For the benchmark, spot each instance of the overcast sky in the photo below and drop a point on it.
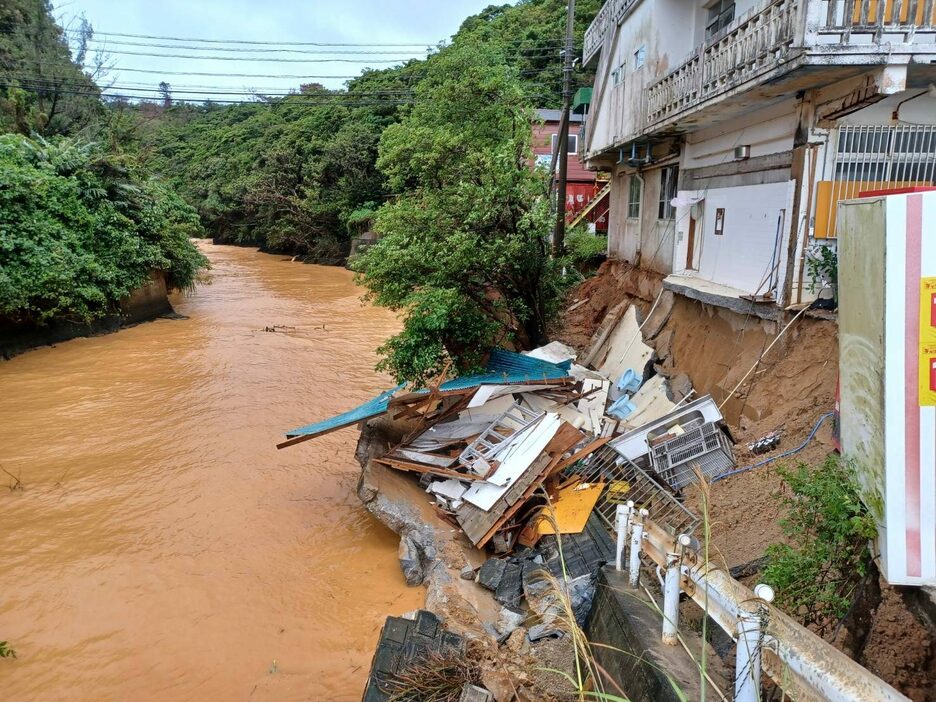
(418, 22)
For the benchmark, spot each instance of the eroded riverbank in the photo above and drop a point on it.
(161, 547)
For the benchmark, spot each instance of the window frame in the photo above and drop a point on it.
(640, 57)
(634, 199)
(555, 137)
(669, 187)
(715, 18)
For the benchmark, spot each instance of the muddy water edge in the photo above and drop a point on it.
(160, 547)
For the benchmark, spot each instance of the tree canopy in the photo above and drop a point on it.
(79, 231)
(463, 250)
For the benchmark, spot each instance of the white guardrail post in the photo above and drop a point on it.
(636, 542)
(803, 665)
(622, 523)
(751, 633)
(671, 590)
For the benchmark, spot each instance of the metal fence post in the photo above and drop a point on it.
(635, 544)
(750, 642)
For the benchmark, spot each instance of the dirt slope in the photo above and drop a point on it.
(790, 390)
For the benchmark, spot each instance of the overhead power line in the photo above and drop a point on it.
(254, 59)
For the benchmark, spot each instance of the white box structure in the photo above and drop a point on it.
(887, 372)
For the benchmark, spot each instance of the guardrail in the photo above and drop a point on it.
(852, 21)
(798, 661)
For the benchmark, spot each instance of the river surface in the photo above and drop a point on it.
(160, 546)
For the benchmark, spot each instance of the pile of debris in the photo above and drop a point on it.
(538, 451)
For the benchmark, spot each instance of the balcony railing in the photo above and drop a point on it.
(608, 17)
(749, 47)
(880, 21)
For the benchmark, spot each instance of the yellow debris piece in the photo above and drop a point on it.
(617, 492)
(571, 509)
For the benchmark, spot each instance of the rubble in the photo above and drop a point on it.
(528, 461)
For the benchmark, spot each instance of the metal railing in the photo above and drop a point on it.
(747, 48)
(880, 21)
(800, 663)
(626, 482)
(864, 158)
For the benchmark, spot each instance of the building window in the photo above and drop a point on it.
(617, 75)
(720, 15)
(634, 194)
(668, 185)
(571, 143)
(640, 57)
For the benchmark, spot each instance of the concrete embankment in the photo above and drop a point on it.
(148, 301)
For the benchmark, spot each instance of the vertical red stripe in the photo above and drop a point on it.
(912, 384)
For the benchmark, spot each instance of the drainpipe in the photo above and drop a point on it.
(635, 544)
(750, 642)
(622, 523)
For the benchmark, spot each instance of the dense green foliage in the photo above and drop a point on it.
(463, 251)
(80, 226)
(79, 231)
(289, 174)
(41, 89)
(828, 529)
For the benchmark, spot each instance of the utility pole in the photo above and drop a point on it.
(563, 138)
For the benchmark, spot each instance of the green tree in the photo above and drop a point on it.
(463, 253)
(42, 90)
(79, 231)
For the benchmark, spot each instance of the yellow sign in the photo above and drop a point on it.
(927, 375)
(928, 310)
(928, 342)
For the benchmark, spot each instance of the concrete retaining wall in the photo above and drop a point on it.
(146, 302)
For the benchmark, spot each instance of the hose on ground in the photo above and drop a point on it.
(785, 454)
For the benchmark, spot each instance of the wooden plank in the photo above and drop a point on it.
(420, 468)
(422, 457)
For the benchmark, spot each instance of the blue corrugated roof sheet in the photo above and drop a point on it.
(503, 368)
(371, 408)
(509, 368)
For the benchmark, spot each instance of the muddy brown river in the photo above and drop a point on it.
(160, 546)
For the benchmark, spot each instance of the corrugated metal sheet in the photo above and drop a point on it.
(372, 408)
(508, 368)
(503, 368)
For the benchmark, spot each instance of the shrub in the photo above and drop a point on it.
(817, 573)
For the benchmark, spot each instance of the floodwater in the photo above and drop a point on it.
(160, 546)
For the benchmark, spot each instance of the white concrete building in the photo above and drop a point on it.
(732, 128)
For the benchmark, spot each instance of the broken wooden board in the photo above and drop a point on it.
(570, 511)
(422, 468)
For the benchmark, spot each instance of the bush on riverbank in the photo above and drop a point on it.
(79, 230)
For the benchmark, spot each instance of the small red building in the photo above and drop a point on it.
(581, 184)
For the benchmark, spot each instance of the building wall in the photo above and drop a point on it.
(618, 111)
(766, 131)
(754, 236)
(542, 146)
(646, 240)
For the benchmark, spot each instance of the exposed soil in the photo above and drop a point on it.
(790, 390)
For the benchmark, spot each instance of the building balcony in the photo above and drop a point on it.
(784, 35)
(774, 50)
